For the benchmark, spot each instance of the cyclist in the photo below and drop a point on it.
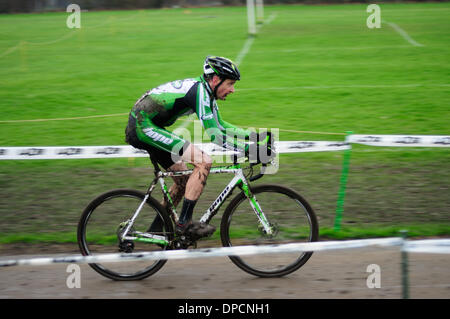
(161, 107)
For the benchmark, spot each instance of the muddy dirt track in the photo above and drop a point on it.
(331, 275)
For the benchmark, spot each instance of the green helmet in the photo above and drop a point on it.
(223, 67)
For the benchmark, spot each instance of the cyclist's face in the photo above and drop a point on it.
(225, 88)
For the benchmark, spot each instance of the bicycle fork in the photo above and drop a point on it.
(268, 230)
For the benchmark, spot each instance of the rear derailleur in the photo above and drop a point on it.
(125, 246)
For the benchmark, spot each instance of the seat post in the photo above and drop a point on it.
(156, 165)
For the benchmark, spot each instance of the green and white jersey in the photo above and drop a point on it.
(163, 105)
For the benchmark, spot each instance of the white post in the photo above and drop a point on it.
(260, 11)
(251, 17)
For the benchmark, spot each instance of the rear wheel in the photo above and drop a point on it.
(105, 219)
(291, 218)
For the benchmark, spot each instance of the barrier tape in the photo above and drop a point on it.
(439, 246)
(401, 140)
(65, 152)
(209, 252)
(118, 151)
(432, 246)
(310, 146)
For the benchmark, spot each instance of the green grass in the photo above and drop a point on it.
(326, 233)
(313, 68)
(61, 238)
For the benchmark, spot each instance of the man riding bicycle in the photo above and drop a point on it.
(161, 107)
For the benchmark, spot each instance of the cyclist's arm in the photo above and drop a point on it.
(230, 129)
(210, 122)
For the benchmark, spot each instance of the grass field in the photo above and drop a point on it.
(312, 69)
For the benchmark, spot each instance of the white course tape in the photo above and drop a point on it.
(285, 147)
(432, 246)
(65, 152)
(208, 252)
(310, 146)
(401, 140)
(118, 151)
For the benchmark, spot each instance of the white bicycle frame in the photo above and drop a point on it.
(239, 180)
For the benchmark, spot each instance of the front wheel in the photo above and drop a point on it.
(291, 219)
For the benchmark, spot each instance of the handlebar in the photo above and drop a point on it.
(253, 178)
(258, 176)
(264, 165)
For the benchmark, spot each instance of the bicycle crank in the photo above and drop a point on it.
(183, 242)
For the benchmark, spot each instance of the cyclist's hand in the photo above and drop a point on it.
(265, 153)
(262, 151)
(265, 138)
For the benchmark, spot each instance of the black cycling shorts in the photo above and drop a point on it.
(162, 157)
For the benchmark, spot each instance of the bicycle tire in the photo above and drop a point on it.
(95, 204)
(273, 191)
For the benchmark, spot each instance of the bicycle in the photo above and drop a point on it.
(279, 215)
